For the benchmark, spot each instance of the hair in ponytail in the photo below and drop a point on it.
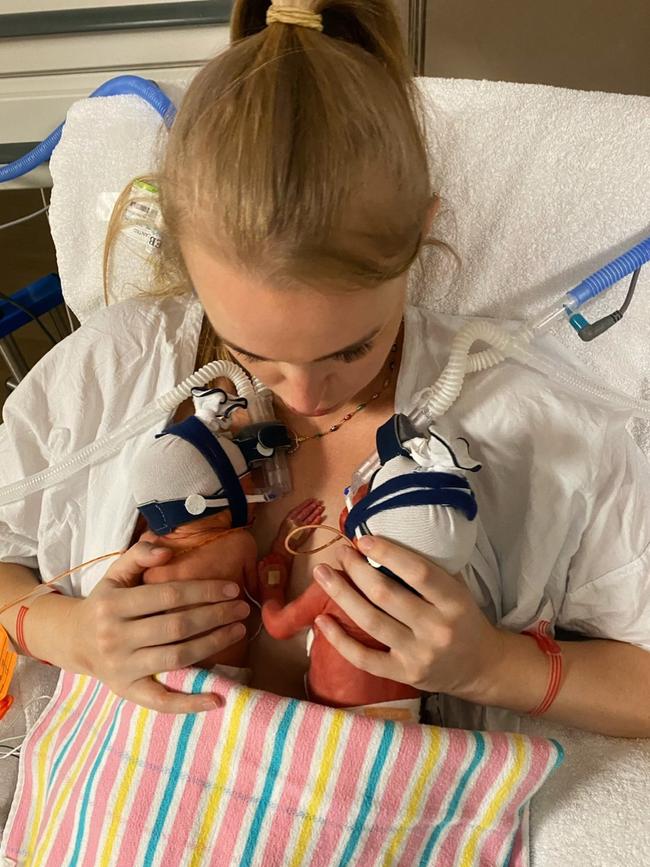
(299, 155)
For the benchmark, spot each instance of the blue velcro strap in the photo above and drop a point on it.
(193, 431)
(163, 518)
(413, 489)
(391, 435)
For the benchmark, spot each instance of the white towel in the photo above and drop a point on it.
(541, 187)
(594, 811)
(106, 143)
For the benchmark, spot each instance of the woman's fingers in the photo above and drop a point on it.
(156, 598)
(127, 570)
(384, 592)
(171, 657)
(431, 582)
(377, 662)
(372, 620)
(153, 695)
(178, 626)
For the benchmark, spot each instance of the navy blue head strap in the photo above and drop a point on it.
(413, 489)
(164, 517)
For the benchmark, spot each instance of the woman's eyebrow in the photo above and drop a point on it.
(351, 348)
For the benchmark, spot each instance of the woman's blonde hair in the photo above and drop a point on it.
(298, 155)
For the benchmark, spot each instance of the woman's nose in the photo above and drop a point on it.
(302, 390)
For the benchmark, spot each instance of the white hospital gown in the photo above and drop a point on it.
(563, 496)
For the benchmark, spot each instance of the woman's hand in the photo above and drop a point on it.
(125, 631)
(439, 641)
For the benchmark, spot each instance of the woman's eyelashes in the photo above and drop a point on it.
(348, 356)
(354, 354)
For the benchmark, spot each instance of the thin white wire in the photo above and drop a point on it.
(67, 309)
(24, 219)
(14, 751)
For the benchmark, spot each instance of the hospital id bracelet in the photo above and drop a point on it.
(20, 621)
(553, 650)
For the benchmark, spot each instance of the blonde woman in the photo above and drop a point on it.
(296, 196)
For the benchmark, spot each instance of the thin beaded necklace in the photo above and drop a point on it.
(299, 439)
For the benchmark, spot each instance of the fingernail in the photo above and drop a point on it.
(241, 609)
(322, 575)
(238, 631)
(158, 549)
(231, 590)
(211, 703)
(322, 624)
(365, 544)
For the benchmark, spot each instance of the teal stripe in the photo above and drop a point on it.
(174, 774)
(369, 794)
(453, 804)
(66, 746)
(81, 822)
(271, 777)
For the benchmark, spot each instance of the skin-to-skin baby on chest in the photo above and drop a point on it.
(321, 468)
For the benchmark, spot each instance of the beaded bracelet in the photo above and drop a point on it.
(20, 621)
(553, 650)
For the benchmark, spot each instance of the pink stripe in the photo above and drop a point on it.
(497, 762)
(253, 765)
(541, 753)
(24, 816)
(391, 793)
(150, 781)
(178, 845)
(344, 801)
(67, 822)
(454, 748)
(114, 762)
(288, 792)
(88, 711)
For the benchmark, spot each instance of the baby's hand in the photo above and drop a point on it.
(310, 511)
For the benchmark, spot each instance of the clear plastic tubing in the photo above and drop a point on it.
(152, 414)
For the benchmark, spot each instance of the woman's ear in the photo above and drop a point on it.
(432, 211)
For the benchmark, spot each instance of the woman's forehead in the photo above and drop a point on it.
(294, 323)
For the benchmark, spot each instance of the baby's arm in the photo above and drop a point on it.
(274, 570)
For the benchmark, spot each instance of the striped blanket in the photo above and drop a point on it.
(263, 781)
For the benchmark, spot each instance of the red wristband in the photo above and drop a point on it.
(553, 650)
(20, 631)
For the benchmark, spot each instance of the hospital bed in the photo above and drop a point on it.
(593, 812)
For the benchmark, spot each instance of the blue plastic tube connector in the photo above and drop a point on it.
(123, 85)
(610, 274)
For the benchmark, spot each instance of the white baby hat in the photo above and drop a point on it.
(169, 468)
(441, 533)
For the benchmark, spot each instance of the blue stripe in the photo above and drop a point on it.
(453, 805)
(369, 794)
(81, 822)
(66, 746)
(174, 774)
(271, 777)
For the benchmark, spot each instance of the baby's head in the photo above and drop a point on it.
(296, 194)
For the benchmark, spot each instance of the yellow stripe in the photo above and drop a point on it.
(232, 736)
(413, 807)
(73, 776)
(72, 704)
(109, 845)
(486, 823)
(327, 764)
